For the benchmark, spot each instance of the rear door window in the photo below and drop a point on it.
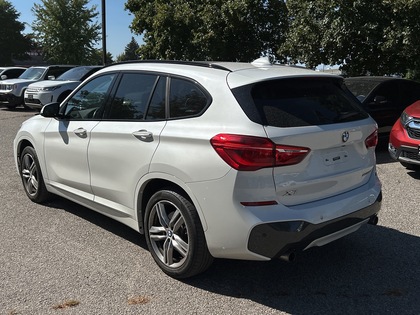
(300, 102)
(132, 96)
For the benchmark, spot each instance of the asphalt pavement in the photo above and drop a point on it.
(61, 258)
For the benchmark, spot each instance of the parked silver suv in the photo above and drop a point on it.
(13, 90)
(209, 160)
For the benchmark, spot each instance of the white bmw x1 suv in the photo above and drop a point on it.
(208, 160)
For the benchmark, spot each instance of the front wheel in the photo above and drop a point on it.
(31, 175)
(11, 104)
(175, 236)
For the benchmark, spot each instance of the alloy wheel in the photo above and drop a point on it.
(30, 174)
(168, 234)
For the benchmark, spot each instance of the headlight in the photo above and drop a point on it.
(10, 86)
(50, 88)
(405, 118)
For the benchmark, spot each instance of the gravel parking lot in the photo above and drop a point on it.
(61, 258)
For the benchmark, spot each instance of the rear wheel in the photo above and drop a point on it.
(175, 236)
(31, 175)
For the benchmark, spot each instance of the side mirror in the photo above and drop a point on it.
(51, 77)
(3, 77)
(50, 110)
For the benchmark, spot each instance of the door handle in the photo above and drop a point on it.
(81, 132)
(143, 135)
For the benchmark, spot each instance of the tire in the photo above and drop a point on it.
(30, 173)
(23, 101)
(15, 102)
(175, 236)
(11, 105)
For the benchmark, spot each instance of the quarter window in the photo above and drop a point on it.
(185, 99)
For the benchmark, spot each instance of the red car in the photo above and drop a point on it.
(404, 140)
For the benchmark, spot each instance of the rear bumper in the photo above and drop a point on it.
(272, 240)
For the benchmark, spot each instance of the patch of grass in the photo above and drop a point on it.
(139, 300)
(66, 304)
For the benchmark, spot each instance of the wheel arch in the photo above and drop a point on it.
(20, 147)
(152, 186)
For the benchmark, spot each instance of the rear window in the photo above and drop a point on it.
(299, 102)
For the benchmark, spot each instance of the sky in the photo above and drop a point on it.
(118, 33)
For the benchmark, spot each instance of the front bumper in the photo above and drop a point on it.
(403, 146)
(272, 240)
(38, 99)
(11, 98)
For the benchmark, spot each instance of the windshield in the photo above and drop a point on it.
(75, 74)
(32, 74)
(361, 88)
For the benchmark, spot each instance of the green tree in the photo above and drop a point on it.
(13, 43)
(236, 30)
(403, 36)
(374, 37)
(97, 59)
(67, 30)
(130, 52)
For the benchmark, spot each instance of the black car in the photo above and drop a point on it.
(384, 98)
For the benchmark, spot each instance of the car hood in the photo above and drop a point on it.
(414, 109)
(17, 81)
(50, 83)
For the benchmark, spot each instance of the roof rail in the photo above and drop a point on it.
(207, 64)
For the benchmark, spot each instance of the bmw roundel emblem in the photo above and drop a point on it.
(345, 136)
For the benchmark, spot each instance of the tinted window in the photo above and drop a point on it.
(156, 109)
(13, 73)
(185, 98)
(410, 92)
(387, 92)
(132, 96)
(299, 102)
(77, 74)
(89, 99)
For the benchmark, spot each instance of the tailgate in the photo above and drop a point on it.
(339, 161)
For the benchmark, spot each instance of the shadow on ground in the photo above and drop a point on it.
(373, 271)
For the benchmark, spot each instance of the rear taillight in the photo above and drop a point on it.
(248, 153)
(372, 140)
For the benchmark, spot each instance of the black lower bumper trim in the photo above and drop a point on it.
(275, 239)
